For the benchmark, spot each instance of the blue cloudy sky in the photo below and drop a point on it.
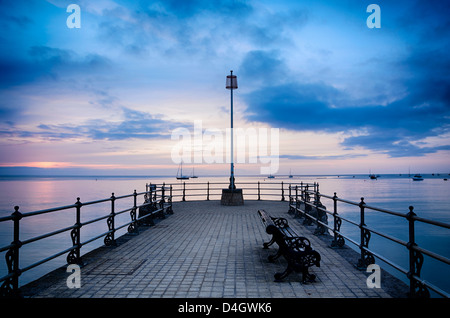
(105, 98)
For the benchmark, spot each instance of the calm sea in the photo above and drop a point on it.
(430, 198)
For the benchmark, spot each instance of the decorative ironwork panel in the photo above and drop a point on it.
(7, 288)
(132, 228)
(338, 240)
(367, 258)
(109, 238)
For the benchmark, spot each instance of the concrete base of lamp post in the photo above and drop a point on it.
(232, 197)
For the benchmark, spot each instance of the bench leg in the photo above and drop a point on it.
(161, 214)
(266, 245)
(290, 267)
(148, 220)
(273, 258)
(280, 276)
(293, 266)
(307, 277)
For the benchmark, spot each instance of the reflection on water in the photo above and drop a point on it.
(429, 198)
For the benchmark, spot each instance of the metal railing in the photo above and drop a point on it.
(304, 198)
(157, 200)
(183, 191)
(306, 202)
(154, 194)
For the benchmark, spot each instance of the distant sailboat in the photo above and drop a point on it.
(180, 173)
(193, 175)
(290, 174)
(270, 176)
(417, 177)
(372, 176)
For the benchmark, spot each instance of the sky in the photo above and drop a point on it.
(107, 97)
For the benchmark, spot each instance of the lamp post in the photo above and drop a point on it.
(231, 84)
(232, 196)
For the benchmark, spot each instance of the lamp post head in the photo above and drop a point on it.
(231, 81)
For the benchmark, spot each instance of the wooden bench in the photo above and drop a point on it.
(295, 249)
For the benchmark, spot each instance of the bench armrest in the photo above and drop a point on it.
(298, 242)
(280, 222)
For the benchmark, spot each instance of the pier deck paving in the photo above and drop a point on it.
(206, 250)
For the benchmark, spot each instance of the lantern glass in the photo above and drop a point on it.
(231, 82)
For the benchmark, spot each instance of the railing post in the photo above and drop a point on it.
(17, 244)
(297, 203)
(109, 238)
(161, 202)
(184, 191)
(207, 192)
(416, 288)
(10, 287)
(338, 240)
(366, 257)
(133, 228)
(74, 256)
(291, 201)
(259, 191)
(316, 196)
(321, 216)
(169, 209)
(301, 186)
(301, 189)
(282, 191)
(308, 207)
(150, 193)
(361, 262)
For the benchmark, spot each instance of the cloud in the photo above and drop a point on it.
(189, 8)
(385, 90)
(50, 63)
(197, 29)
(134, 125)
(332, 157)
(296, 106)
(395, 147)
(262, 66)
(390, 122)
(395, 128)
(407, 101)
(50, 58)
(173, 28)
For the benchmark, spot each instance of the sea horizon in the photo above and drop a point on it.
(403, 175)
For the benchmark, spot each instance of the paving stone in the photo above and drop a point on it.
(208, 250)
